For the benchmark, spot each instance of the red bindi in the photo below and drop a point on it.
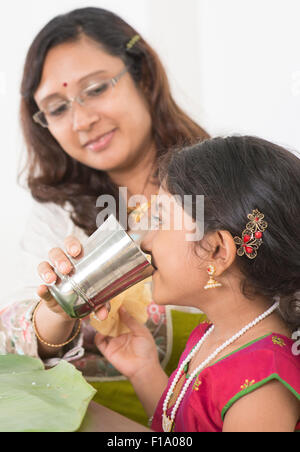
(65, 85)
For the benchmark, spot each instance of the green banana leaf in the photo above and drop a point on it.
(33, 399)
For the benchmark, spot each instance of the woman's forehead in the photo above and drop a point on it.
(71, 62)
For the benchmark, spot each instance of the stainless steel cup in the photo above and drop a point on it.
(111, 263)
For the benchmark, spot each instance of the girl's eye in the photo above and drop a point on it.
(97, 90)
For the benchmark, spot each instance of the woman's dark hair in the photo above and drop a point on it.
(52, 174)
(237, 175)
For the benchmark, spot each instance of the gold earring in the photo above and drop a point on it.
(212, 283)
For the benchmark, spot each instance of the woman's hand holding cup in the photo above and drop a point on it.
(60, 260)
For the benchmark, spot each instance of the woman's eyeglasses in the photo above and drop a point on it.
(56, 110)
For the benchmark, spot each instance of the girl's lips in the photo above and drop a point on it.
(102, 142)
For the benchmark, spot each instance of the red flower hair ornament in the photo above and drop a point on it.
(252, 235)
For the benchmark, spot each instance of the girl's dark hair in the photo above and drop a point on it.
(237, 175)
(52, 174)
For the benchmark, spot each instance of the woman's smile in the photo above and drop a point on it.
(101, 142)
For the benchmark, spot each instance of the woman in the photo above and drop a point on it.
(97, 114)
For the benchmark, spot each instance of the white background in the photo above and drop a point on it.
(234, 65)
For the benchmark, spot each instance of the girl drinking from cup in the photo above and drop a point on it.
(240, 370)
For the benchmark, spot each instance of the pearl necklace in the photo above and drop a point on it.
(168, 423)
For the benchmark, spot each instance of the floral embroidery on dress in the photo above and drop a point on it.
(197, 384)
(156, 313)
(247, 384)
(278, 341)
(16, 332)
(26, 327)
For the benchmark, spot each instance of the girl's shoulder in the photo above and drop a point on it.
(271, 357)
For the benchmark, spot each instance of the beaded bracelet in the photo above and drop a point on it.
(47, 343)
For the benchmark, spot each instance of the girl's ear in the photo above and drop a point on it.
(224, 250)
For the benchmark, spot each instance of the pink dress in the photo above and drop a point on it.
(220, 385)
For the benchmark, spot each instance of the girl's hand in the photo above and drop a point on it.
(132, 352)
(59, 260)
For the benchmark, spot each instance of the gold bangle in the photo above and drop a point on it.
(47, 343)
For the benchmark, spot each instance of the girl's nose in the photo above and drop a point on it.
(146, 243)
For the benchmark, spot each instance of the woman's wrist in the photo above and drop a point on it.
(52, 329)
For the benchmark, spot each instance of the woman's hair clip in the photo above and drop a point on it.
(252, 235)
(132, 42)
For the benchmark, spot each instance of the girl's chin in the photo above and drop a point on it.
(159, 296)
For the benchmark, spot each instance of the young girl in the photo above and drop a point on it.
(241, 370)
